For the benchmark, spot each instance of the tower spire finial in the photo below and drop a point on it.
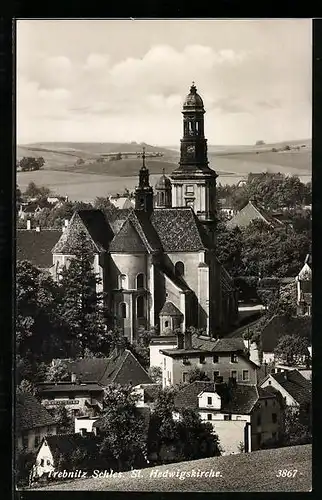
(193, 88)
(163, 170)
(143, 157)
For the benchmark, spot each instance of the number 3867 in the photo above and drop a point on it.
(286, 473)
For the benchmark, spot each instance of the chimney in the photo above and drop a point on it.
(66, 222)
(38, 229)
(187, 339)
(28, 224)
(180, 340)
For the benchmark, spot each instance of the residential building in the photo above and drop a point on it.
(157, 344)
(226, 208)
(33, 422)
(295, 389)
(157, 261)
(226, 357)
(35, 246)
(243, 416)
(55, 450)
(77, 398)
(252, 212)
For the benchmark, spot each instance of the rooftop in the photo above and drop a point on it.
(295, 384)
(250, 213)
(30, 413)
(35, 246)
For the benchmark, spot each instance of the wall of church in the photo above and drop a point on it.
(130, 265)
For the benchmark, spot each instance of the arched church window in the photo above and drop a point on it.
(123, 281)
(191, 128)
(140, 306)
(123, 310)
(140, 281)
(179, 268)
(162, 198)
(166, 324)
(197, 128)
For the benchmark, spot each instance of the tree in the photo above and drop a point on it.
(291, 349)
(196, 439)
(26, 386)
(64, 419)
(155, 374)
(82, 306)
(163, 428)
(39, 192)
(229, 248)
(57, 371)
(295, 431)
(24, 460)
(197, 374)
(38, 323)
(123, 434)
(105, 205)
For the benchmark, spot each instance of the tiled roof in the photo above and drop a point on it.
(69, 387)
(127, 240)
(295, 384)
(279, 326)
(251, 212)
(179, 230)
(93, 224)
(65, 444)
(121, 369)
(117, 219)
(238, 399)
(30, 413)
(35, 246)
(169, 309)
(202, 344)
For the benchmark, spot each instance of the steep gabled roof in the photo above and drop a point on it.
(93, 224)
(35, 246)
(127, 240)
(121, 368)
(240, 398)
(30, 413)
(280, 325)
(295, 384)
(117, 219)
(252, 212)
(201, 344)
(179, 230)
(169, 309)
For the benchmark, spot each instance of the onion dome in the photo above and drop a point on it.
(193, 100)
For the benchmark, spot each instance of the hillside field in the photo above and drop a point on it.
(248, 472)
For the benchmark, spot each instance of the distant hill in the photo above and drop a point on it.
(226, 160)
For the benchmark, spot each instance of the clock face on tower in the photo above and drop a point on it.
(191, 149)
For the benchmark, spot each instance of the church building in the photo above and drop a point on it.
(157, 261)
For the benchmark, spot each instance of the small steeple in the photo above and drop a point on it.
(144, 192)
(144, 172)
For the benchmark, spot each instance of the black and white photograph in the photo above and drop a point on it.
(163, 255)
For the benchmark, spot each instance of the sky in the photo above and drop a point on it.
(125, 80)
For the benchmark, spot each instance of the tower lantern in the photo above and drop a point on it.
(144, 192)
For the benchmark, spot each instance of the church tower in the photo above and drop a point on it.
(144, 192)
(193, 182)
(163, 192)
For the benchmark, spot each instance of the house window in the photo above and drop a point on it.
(209, 400)
(48, 462)
(209, 416)
(140, 306)
(259, 420)
(25, 440)
(233, 358)
(189, 189)
(245, 375)
(140, 281)
(185, 377)
(123, 281)
(215, 358)
(42, 462)
(234, 374)
(166, 324)
(227, 417)
(179, 268)
(185, 360)
(202, 358)
(216, 375)
(123, 310)
(269, 382)
(274, 418)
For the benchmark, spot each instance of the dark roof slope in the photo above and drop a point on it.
(116, 219)
(179, 230)
(169, 309)
(253, 212)
(93, 224)
(127, 240)
(36, 246)
(200, 344)
(295, 384)
(66, 444)
(64, 387)
(121, 368)
(30, 413)
(279, 326)
(234, 399)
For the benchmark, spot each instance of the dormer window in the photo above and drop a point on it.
(209, 400)
(234, 358)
